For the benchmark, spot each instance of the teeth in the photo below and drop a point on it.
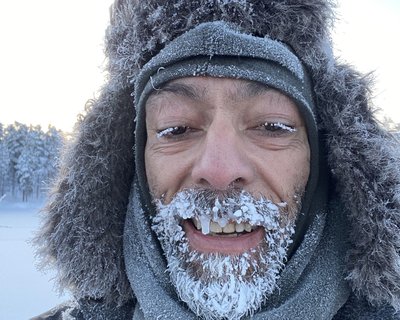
(239, 227)
(228, 228)
(197, 224)
(247, 227)
(215, 227)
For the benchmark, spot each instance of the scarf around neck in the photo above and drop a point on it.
(311, 286)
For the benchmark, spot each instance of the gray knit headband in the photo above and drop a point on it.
(216, 49)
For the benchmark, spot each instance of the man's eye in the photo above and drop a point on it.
(277, 128)
(172, 131)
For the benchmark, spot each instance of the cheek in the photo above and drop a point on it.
(150, 166)
(300, 173)
(157, 172)
(298, 163)
(164, 173)
(300, 167)
(289, 172)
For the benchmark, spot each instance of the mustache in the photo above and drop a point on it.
(222, 206)
(206, 198)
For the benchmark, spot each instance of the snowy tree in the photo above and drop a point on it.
(54, 140)
(15, 138)
(4, 163)
(28, 158)
(36, 142)
(25, 171)
(4, 166)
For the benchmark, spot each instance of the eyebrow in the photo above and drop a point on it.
(248, 89)
(182, 89)
(243, 90)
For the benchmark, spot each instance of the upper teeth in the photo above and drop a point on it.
(229, 228)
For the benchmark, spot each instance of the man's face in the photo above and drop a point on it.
(227, 162)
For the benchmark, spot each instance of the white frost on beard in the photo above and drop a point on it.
(218, 286)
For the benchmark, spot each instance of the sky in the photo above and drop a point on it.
(52, 59)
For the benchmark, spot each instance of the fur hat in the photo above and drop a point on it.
(82, 231)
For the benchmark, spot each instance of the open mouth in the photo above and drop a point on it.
(228, 229)
(232, 238)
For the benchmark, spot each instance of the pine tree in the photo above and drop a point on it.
(25, 169)
(28, 158)
(37, 141)
(4, 163)
(54, 140)
(15, 138)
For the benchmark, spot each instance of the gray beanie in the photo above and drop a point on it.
(218, 49)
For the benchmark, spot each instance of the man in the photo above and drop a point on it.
(230, 169)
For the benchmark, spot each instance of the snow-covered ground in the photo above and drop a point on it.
(24, 291)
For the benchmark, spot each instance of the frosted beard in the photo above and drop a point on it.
(221, 286)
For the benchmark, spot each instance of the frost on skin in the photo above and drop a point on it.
(166, 132)
(215, 285)
(282, 126)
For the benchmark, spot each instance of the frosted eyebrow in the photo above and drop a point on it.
(181, 89)
(243, 90)
(250, 89)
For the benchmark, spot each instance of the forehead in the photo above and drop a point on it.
(231, 92)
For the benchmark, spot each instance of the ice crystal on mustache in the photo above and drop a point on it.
(214, 285)
(206, 206)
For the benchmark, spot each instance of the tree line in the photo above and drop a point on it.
(28, 159)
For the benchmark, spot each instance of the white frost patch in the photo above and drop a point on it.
(165, 132)
(281, 126)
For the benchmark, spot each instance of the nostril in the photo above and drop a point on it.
(237, 183)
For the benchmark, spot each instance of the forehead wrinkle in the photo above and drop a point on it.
(248, 89)
(174, 88)
(245, 89)
(182, 89)
(240, 90)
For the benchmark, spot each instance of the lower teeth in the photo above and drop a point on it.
(227, 235)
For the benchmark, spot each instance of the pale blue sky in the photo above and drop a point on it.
(366, 36)
(51, 59)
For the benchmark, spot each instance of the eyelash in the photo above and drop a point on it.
(172, 132)
(271, 128)
(277, 128)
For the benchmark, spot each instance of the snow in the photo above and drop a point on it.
(25, 292)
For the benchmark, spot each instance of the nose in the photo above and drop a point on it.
(222, 161)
